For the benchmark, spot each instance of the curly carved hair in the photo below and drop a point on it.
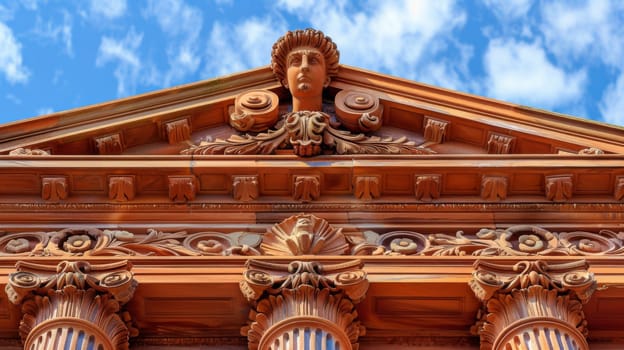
(303, 38)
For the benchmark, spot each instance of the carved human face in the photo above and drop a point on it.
(306, 74)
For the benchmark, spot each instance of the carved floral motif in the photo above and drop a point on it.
(305, 300)
(58, 302)
(308, 134)
(28, 152)
(532, 301)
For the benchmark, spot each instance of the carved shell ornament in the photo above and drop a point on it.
(306, 129)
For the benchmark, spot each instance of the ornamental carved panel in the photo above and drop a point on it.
(178, 131)
(500, 144)
(182, 188)
(494, 188)
(435, 130)
(427, 187)
(109, 144)
(306, 188)
(121, 188)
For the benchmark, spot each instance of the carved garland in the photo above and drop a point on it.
(304, 303)
(307, 234)
(532, 302)
(72, 303)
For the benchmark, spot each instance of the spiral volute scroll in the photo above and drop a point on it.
(358, 111)
(255, 110)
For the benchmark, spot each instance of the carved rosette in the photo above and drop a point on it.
(303, 305)
(74, 305)
(304, 235)
(532, 303)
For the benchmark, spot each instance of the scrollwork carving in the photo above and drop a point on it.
(255, 110)
(358, 111)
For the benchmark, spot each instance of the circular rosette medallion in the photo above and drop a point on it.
(255, 110)
(358, 111)
(208, 243)
(528, 240)
(586, 243)
(403, 242)
(27, 243)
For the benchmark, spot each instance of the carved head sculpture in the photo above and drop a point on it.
(304, 61)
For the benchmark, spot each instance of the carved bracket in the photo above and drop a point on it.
(178, 131)
(494, 188)
(509, 293)
(427, 187)
(54, 188)
(311, 302)
(435, 130)
(182, 188)
(618, 191)
(121, 188)
(91, 295)
(500, 144)
(245, 188)
(306, 188)
(559, 187)
(367, 187)
(109, 144)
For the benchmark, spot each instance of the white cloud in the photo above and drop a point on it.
(11, 57)
(16, 100)
(109, 9)
(57, 32)
(239, 46)
(397, 37)
(589, 29)
(612, 104)
(30, 4)
(182, 25)
(45, 110)
(509, 9)
(520, 72)
(124, 53)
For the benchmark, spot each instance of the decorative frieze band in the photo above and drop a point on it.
(310, 235)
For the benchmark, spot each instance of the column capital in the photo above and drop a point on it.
(532, 300)
(303, 302)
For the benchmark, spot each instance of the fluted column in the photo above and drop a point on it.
(532, 305)
(303, 305)
(73, 306)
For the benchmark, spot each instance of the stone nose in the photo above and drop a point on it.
(304, 63)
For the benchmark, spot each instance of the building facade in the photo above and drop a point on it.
(311, 205)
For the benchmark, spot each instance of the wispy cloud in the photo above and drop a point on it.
(521, 72)
(182, 25)
(125, 54)
(509, 9)
(109, 9)
(16, 100)
(235, 47)
(11, 57)
(612, 104)
(51, 31)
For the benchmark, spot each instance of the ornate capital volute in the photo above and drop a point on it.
(74, 304)
(303, 302)
(532, 301)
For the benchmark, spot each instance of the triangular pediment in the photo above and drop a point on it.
(439, 121)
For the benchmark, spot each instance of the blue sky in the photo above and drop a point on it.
(563, 56)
